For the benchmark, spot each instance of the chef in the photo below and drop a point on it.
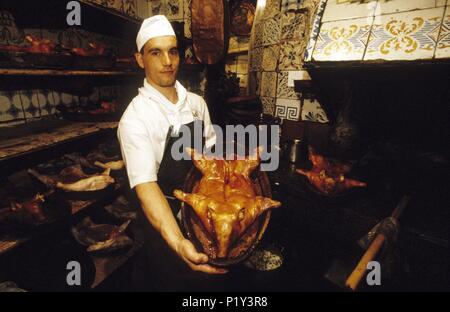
(147, 130)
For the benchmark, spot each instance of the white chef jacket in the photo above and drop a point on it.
(143, 128)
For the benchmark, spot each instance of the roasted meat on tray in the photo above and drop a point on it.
(328, 176)
(225, 200)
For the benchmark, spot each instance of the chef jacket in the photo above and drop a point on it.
(144, 126)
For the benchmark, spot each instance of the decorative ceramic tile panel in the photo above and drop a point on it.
(268, 104)
(30, 103)
(290, 5)
(313, 111)
(270, 57)
(269, 84)
(293, 25)
(335, 10)
(10, 106)
(272, 31)
(157, 7)
(315, 28)
(443, 45)
(174, 10)
(283, 90)
(342, 40)
(288, 109)
(271, 9)
(129, 7)
(405, 36)
(291, 55)
(397, 6)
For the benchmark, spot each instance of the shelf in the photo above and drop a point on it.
(51, 14)
(45, 134)
(77, 206)
(60, 72)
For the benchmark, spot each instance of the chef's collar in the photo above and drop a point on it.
(151, 92)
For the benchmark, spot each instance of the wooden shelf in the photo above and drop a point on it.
(77, 206)
(62, 131)
(61, 72)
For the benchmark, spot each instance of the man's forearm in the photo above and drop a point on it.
(159, 213)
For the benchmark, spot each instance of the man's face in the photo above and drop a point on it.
(161, 60)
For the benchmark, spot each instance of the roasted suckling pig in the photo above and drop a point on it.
(225, 200)
(74, 179)
(32, 207)
(328, 176)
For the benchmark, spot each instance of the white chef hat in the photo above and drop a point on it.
(155, 26)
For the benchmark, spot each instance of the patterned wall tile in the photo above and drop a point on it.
(269, 84)
(157, 7)
(268, 104)
(271, 9)
(113, 4)
(315, 28)
(293, 25)
(290, 5)
(291, 55)
(283, 90)
(397, 6)
(30, 103)
(142, 9)
(129, 7)
(288, 109)
(405, 36)
(336, 10)
(10, 106)
(342, 40)
(313, 111)
(270, 57)
(46, 102)
(443, 45)
(272, 30)
(174, 10)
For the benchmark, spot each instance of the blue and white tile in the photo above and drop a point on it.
(288, 109)
(313, 111)
(443, 45)
(397, 6)
(315, 29)
(405, 36)
(342, 40)
(336, 10)
(30, 103)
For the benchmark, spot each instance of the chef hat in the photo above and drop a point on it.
(155, 26)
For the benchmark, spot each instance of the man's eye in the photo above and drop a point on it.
(155, 53)
(174, 52)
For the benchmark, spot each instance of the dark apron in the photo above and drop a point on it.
(158, 267)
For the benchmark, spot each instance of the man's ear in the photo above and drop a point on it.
(139, 59)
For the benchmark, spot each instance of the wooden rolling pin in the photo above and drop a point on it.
(358, 273)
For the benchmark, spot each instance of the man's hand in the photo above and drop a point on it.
(196, 261)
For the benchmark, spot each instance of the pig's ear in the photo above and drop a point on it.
(268, 203)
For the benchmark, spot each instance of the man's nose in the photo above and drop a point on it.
(166, 59)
